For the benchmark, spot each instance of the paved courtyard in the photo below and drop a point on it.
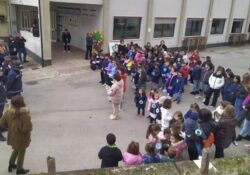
(70, 113)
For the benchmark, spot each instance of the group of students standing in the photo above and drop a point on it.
(170, 72)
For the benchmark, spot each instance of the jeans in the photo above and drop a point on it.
(88, 52)
(178, 97)
(198, 145)
(66, 46)
(238, 107)
(196, 85)
(219, 152)
(19, 156)
(22, 51)
(209, 93)
(245, 130)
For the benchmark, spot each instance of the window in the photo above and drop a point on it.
(164, 27)
(218, 26)
(237, 25)
(193, 27)
(126, 28)
(28, 19)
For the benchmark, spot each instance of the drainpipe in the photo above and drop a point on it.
(41, 33)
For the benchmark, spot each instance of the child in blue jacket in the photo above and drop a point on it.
(140, 101)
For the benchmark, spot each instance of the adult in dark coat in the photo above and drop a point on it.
(12, 46)
(21, 48)
(89, 45)
(225, 130)
(66, 38)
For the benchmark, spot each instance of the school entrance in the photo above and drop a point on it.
(79, 19)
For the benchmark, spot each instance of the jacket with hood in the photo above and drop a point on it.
(131, 159)
(166, 117)
(19, 127)
(216, 82)
(116, 91)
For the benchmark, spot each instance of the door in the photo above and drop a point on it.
(53, 27)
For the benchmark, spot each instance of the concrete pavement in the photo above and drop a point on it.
(70, 113)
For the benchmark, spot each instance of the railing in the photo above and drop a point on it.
(237, 39)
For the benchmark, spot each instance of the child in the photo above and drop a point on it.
(178, 143)
(164, 72)
(110, 154)
(179, 88)
(170, 84)
(152, 133)
(133, 155)
(196, 74)
(165, 143)
(154, 107)
(140, 101)
(150, 156)
(166, 116)
(156, 75)
(177, 117)
(169, 155)
(185, 70)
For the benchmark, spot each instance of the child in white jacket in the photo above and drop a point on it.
(166, 115)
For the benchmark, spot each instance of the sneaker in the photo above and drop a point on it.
(2, 138)
(112, 117)
(235, 143)
(211, 106)
(22, 171)
(25, 61)
(238, 138)
(192, 93)
(197, 96)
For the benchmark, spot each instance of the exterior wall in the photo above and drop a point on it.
(97, 2)
(84, 24)
(172, 9)
(33, 44)
(218, 13)
(197, 9)
(25, 2)
(128, 8)
(4, 27)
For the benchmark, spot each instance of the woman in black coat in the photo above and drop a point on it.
(3, 95)
(225, 130)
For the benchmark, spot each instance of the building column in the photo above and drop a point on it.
(209, 17)
(106, 25)
(247, 20)
(182, 23)
(149, 30)
(45, 31)
(230, 20)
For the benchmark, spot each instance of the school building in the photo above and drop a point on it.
(181, 23)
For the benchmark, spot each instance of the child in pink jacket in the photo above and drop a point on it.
(133, 155)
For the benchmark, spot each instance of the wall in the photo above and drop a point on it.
(25, 2)
(128, 8)
(13, 17)
(82, 24)
(218, 13)
(97, 2)
(32, 43)
(4, 27)
(171, 9)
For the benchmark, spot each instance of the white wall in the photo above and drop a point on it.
(13, 18)
(197, 9)
(171, 9)
(32, 43)
(97, 2)
(25, 2)
(128, 8)
(83, 25)
(218, 13)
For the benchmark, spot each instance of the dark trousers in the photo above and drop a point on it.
(192, 150)
(219, 152)
(209, 93)
(88, 52)
(17, 156)
(66, 46)
(22, 54)
(102, 73)
(139, 111)
(108, 80)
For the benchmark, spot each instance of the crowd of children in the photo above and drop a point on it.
(170, 134)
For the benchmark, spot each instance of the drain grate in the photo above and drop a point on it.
(30, 83)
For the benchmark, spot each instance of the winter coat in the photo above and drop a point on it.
(185, 70)
(154, 109)
(166, 117)
(241, 92)
(196, 73)
(115, 92)
(156, 74)
(216, 82)
(170, 84)
(19, 128)
(205, 75)
(3, 92)
(89, 41)
(14, 82)
(179, 86)
(225, 131)
(13, 47)
(229, 91)
(164, 71)
(131, 159)
(179, 148)
(66, 37)
(190, 125)
(148, 159)
(140, 100)
(20, 41)
(207, 127)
